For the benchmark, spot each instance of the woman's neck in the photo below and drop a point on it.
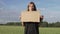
(30, 10)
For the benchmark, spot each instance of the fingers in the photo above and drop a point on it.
(41, 16)
(20, 17)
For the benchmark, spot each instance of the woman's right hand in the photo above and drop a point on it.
(21, 22)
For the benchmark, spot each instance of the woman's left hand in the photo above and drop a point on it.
(41, 17)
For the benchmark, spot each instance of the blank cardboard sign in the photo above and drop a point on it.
(30, 16)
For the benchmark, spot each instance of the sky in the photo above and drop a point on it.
(10, 9)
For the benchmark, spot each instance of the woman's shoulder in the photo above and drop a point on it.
(38, 10)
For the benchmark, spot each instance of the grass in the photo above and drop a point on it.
(20, 30)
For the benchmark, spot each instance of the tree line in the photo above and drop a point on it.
(41, 24)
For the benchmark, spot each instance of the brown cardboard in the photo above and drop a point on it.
(33, 16)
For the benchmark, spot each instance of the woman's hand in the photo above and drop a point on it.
(21, 22)
(20, 17)
(41, 17)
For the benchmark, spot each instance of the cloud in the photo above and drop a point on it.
(7, 15)
(1, 2)
(43, 9)
(2, 5)
(50, 11)
(51, 16)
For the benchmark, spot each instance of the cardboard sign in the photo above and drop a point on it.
(30, 16)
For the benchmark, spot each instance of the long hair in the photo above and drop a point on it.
(34, 9)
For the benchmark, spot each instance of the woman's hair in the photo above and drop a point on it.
(34, 9)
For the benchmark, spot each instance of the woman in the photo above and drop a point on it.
(30, 27)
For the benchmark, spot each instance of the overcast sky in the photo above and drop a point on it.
(10, 9)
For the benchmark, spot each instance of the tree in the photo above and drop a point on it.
(44, 24)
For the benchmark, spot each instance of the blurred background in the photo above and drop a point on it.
(10, 10)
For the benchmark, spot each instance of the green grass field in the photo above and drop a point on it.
(20, 30)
